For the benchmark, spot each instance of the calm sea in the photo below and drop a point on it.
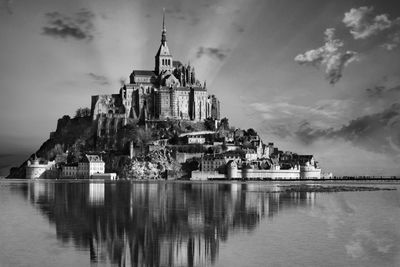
(48, 223)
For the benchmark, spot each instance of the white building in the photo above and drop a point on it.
(250, 155)
(37, 170)
(196, 137)
(89, 165)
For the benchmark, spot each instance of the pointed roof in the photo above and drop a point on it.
(163, 50)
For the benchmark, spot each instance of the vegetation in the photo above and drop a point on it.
(82, 113)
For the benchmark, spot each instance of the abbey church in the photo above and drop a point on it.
(171, 91)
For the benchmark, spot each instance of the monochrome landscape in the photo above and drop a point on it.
(199, 133)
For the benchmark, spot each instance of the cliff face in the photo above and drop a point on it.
(79, 135)
(75, 134)
(156, 165)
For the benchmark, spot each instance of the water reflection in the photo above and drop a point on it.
(156, 224)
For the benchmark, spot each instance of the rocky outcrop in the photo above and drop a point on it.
(75, 134)
(155, 165)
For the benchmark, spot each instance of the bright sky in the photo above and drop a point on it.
(276, 66)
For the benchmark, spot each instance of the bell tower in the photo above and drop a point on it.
(163, 59)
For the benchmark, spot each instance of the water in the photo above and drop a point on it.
(47, 223)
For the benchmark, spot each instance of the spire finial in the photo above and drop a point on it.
(163, 19)
(164, 30)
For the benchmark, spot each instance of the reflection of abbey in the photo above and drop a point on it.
(171, 90)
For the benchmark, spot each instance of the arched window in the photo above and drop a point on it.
(162, 61)
(169, 61)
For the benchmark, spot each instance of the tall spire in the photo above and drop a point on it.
(164, 30)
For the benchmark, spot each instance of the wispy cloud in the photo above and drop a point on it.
(364, 23)
(330, 56)
(217, 53)
(383, 92)
(378, 132)
(282, 118)
(100, 79)
(79, 27)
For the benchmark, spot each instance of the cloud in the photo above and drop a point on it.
(282, 118)
(100, 79)
(393, 41)
(213, 52)
(376, 91)
(363, 23)
(79, 27)
(329, 56)
(378, 132)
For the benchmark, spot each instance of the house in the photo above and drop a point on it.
(89, 165)
(212, 162)
(69, 170)
(196, 137)
(250, 154)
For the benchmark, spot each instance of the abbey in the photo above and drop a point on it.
(171, 91)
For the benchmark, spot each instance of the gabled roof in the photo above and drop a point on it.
(182, 88)
(199, 89)
(143, 73)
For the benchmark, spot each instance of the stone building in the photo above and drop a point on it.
(90, 165)
(171, 90)
(36, 169)
(69, 171)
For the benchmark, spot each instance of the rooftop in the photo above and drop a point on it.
(143, 73)
(196, 133)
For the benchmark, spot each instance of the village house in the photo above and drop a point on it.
(89, 165)
(69, 170)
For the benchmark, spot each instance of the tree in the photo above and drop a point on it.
(251, 132)
(209, 124)
(82, 112)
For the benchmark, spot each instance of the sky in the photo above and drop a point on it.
(313, 76)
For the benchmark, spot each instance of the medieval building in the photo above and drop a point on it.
(171, 91)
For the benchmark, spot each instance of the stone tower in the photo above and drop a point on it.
(163, 59)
